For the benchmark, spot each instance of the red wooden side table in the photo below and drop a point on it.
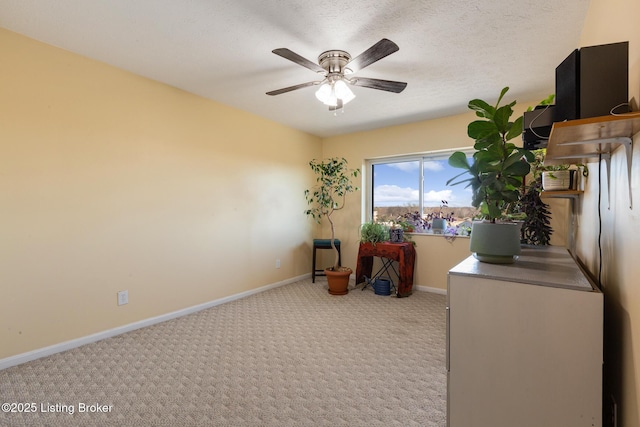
(404, 253)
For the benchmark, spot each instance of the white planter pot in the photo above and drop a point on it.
(438, 225)
(556, 180)
(497, 243)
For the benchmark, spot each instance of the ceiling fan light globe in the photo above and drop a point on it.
(326, 94)
(343, 91)
(323, 93)
(333, 100)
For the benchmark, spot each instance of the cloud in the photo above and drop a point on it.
(392, 195)
(434, 198)
(405, 166)
(433, 165)
(460, 198)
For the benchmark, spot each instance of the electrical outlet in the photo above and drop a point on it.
(123, 297)
(278, 263)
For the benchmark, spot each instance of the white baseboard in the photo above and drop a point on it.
(68, 345)
(432, 290)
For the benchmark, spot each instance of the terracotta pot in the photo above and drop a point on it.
(338, 280)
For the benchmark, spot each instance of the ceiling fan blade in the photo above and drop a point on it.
(375, 53)
(290, 88)
(294, 57)
(388, 85)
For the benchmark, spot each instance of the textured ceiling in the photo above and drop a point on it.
(450, 51)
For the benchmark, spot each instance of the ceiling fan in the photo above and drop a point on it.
(335, 66)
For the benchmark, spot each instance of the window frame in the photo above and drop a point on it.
(421, 157)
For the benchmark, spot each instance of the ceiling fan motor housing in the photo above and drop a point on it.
(334, 61)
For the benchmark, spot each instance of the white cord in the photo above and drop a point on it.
(536, 118)
(632, 114)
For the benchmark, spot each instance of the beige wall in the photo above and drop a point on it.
(109, 181)
(610, 21)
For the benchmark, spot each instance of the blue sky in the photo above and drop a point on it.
(397, 184)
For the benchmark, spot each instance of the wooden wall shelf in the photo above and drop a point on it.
(562, 194)
(593, 139)
(584, 140)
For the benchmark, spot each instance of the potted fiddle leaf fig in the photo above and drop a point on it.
(333, 182)
(495, 177)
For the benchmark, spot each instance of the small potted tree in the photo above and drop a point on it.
(333, 182)
(495, 177)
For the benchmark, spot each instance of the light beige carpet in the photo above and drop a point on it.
(291, 356)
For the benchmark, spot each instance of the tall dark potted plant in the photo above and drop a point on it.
(495, 177)
(333, 182)
(536, 228)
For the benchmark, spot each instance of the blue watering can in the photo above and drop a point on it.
(381, 285)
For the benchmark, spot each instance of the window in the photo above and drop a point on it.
(415, 186)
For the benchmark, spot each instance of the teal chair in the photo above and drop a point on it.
(323, 244)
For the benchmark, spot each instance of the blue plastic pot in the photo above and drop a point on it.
(382, 286)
